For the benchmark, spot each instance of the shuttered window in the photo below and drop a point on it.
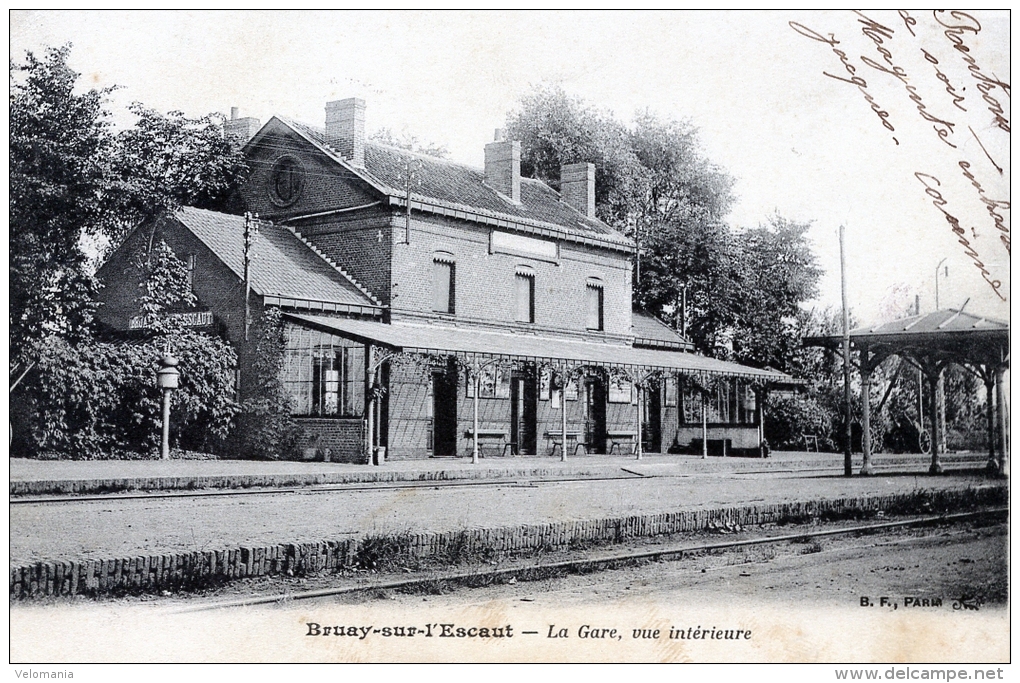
(443, 287)
(525, 295)
(595, 308)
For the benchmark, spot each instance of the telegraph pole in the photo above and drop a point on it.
(409, 173)
(251, 232)
(847, 446)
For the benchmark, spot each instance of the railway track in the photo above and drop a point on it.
(590, 563)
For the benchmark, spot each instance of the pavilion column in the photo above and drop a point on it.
(866, 369)
(933, 418)
(1000, 401)
(990, 386)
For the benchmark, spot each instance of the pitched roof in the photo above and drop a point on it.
(282, 264)
(945, 323)
(650, 331)
(459, 187)
(945, 320)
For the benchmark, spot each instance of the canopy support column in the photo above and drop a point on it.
(640, 401)
(474, 427)
(933, 419)
(704, 427)
(1003, 427)
(369, 405)
(866, 369)
(994, 463)
(563, 416)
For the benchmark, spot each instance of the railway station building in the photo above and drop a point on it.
(434, 309)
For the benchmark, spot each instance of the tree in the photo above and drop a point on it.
(167, 161)
(734, 294)
(409, 142)
(555, 129)
(59, 189)
(777, 272)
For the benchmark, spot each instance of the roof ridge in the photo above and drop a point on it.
(312, 135)
(350, 278)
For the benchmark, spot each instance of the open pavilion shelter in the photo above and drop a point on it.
(931, 342)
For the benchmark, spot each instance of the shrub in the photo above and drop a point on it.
(93, 399)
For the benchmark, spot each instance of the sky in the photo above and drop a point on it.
(813, 147)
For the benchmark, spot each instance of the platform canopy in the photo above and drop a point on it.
(459, 341)
(931, 342)
(948, 334)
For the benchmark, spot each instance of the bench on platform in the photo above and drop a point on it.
(554, 438)
(619, 438)
(493, 441)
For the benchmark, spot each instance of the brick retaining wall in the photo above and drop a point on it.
(192, 570)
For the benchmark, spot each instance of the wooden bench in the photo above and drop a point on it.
(555, 438)
(493, 440)
(619, 438)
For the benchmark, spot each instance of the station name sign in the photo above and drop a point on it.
(189, 319)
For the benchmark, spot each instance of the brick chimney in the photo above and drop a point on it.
(345, 129)
(239, 129)
(577, 187)
(503, 167)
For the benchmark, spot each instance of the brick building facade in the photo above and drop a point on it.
(434, 309)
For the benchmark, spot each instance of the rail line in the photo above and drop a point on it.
(631, 475)
(542, 570)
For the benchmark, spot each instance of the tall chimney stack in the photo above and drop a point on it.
(577, 187)
(503, 167)
(240, 130)
(345, 129)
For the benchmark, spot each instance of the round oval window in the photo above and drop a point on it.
(287, 180)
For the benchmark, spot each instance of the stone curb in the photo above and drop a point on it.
(38, 487)
(195, 570)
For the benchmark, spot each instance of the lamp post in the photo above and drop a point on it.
(167, 379)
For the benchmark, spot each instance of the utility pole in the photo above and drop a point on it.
(847, 446)
(940, 394)
(251, 233)
(409, 173)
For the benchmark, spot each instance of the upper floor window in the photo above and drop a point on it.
(191, 272)
(444, 278)
(524, 290)
(594, 305)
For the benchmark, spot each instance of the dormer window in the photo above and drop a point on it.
(594, 304)
(524, 294)
(444, 278)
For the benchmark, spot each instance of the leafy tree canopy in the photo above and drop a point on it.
(409, 142)
(59, 152)
(734, 294)
(74, 181)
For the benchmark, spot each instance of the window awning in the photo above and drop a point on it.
(447, 340)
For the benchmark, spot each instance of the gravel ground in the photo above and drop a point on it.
(118, 528)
